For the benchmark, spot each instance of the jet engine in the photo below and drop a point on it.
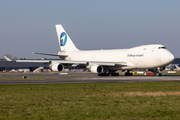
(96, 69)
(57, 67)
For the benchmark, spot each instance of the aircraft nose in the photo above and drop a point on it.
(166, 57)
(171, 57)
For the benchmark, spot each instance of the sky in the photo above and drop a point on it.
(29, 26)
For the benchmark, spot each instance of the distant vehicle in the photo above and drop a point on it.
(106, 62)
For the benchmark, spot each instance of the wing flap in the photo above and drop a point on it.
(41, 61)
(109, 63)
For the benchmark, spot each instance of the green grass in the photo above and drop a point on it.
(152, 100)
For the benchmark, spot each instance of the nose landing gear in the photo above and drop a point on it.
(157, 71)
(158, 74)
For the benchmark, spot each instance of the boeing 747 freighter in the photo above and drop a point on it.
(106, 62)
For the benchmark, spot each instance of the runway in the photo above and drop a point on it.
(48, 78)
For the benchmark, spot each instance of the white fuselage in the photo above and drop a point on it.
(142, 57)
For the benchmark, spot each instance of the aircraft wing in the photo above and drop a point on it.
(8, 59)
(56, 61)
(93, 66)
(78, 62)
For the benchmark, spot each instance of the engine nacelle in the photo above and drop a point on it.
(57, 67)
(96, 69)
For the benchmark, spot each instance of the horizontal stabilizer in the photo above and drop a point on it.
(51, 54)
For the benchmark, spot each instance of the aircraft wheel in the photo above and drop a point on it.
(114, 74)
(128, 74)
(103, 74)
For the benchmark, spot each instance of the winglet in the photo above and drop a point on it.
(8, 59)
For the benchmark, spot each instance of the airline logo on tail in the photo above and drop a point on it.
(63, 39)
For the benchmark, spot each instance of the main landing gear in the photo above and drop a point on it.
(110, 73)
(128, 73)
(114, 73)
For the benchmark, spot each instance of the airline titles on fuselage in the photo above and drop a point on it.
(135, 55)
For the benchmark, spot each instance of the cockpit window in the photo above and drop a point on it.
(162, 47)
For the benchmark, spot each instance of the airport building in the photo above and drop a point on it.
(176, 61)
(9, 65)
